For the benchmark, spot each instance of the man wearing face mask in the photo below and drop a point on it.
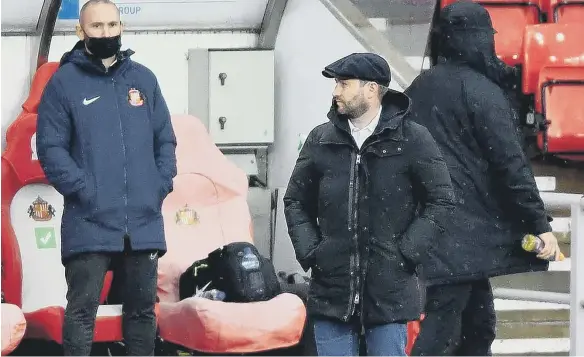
(105, 142)
(367, 195)
(462, 102)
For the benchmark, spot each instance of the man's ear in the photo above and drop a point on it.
(79, 32)
(372, 89)
(122, 27)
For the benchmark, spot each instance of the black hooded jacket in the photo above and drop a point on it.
(362, 218)
(461, 102)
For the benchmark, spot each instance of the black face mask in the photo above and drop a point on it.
(103, 47)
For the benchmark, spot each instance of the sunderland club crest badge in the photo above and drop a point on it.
(187, 216)
(135, 97)
(40, 210)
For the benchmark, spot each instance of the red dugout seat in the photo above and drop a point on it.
(553, 71)
(509, 19)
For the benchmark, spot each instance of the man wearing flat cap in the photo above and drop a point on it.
(367, 195)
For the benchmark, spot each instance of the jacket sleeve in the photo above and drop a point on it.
(54, 131)
(300, 205)
(164, 140)
(492, 121)
(433, 189)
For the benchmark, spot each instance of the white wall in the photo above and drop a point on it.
(163, 53)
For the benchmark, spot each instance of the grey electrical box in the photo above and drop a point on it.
(232, 92)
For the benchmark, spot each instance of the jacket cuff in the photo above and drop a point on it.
(169, 186)
(541, 226)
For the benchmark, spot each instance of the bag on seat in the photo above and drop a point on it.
(237, 269)
(196, 277)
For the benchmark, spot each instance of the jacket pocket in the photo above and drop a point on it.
(409, 264)
(86, 195)
(154, 192)
(157, 195)
(161, 189)
(389, 280)
(165, 187)
(386, 149)
(331, 257)
(393, 256)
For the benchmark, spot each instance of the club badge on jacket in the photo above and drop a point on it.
(135, 97)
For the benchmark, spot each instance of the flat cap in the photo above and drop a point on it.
(363, 66)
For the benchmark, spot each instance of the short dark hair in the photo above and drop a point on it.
(94, 2)
(382, 89)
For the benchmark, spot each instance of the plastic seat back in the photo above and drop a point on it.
(550, 45)
(565, 11)
(20, 167)
(36, 219)
(207, 208)
(560, 101)
(35, 211)
(39, 81)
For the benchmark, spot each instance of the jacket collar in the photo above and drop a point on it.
(89, 63)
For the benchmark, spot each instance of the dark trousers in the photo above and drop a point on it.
(459, 321)
(85, 274)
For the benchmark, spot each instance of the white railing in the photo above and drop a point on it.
(575, 202)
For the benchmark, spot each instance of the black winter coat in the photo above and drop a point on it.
(460, 101)
(362, 218)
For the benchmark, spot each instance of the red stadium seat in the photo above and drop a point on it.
(553, 71)
(559, 100)
(550, 45)
(564, 11)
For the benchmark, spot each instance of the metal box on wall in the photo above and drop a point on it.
(232, 92)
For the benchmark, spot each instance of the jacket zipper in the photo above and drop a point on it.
(356, 232)
(353, 224)
(125, 163)
(354, 296)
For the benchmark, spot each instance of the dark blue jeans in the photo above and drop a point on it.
(336, 338)
(85, 274)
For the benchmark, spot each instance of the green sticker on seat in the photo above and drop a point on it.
(45, 237)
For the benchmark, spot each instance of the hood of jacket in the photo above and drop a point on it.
(464, 34)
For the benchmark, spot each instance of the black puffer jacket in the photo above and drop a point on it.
(461, 103)
(362, 219)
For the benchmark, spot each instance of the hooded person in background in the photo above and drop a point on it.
(106, 143)
(462, 103)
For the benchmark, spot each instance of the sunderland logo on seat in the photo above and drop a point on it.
(40, 210)
(187, 216)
